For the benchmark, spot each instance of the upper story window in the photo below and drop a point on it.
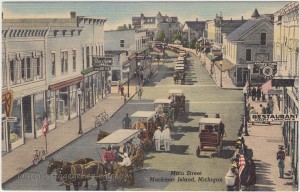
(248, 54)
(122, 43)
(23, 76)
(64, 61)
(28, 68)
(263, 38)
(74, 59)
(38, 66)
(64, 32)
(53, 63)
(12, 70)
(87, 57)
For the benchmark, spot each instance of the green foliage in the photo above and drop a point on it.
(121, 28)
(177, 36)
(193, 43)
(160, 36)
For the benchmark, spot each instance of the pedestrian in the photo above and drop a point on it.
(166, 137)
(222, 129)
(258, 93)
(271, 104)
(263, 109)
(157, 138)
(253, 93)
(140, 92)
(267, 109)
(122, 91)
(126, 122)
(125, 98)
(263, 97)
(280, 158)
(278, 101)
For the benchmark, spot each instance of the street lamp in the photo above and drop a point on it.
(79, 93)
(139, 72)
(245, 113)
(221, 74)
(128, 82)
(249, 83)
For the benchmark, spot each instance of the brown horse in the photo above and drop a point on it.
(74, 174)
(137, 159)
(56, 165)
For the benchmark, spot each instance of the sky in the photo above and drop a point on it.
(121, 12)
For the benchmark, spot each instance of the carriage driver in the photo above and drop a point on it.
(126, 160)
(109, 156)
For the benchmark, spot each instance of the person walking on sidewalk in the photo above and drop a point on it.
(157, 138)
(271, 104)
(140, 92)
(253, 93)
(122, 91)
(263, 109)
(258, 93)
(280, 159)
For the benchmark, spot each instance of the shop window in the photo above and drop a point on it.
(116, 75)
(39, 110)
(15, 127)
(53, 63)
(74, 59)
(248, 55)
(263, 38)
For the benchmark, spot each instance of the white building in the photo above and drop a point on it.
(44, 63)
(286, 54)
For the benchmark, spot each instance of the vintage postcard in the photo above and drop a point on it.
(150, 95)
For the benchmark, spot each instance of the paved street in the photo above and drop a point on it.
(202, 96)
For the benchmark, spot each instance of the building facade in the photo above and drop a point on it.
(43, 61)
(250, 43)
(194, 30)
(286, 54)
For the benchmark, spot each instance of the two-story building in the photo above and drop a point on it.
(123, 46)
(194, 30)
(286, 54)
(43, 62)
(250, 43)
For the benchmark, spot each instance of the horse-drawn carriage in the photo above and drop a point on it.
(145, 122)
(179, 74)
(119, 141)
(164, 111)
(210, 134)
(178, 101)
(182, 53)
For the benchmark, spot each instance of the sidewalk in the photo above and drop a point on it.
(20, 159)
(216, 76)
(264, 140)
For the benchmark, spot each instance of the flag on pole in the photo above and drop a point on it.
(242, 165)
(44, 126)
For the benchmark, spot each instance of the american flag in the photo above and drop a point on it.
(44, 126)
(242, 165)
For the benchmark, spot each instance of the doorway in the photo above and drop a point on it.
(27, 115)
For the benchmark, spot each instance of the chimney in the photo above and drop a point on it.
(142, 15)
(73, 14)
(242, 18)
(196, 19)
(129, 26)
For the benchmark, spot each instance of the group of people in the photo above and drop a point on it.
(110, 155)
(257, 94)
(162, 136)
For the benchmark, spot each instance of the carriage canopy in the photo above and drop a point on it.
(143, 115)
(162, 101)
(210, 121)
(119, 137)
(179, 65)
(180, 58)
(175, 92)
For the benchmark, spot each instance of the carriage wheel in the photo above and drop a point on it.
(122, 176)
(147, 145)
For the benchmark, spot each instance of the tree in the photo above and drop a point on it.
(160, 36)
(193, 42)
(177, 36)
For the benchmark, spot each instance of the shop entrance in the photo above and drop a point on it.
(27, 116)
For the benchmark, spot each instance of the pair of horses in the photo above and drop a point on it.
(76, 172)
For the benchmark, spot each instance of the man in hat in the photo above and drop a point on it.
(280, 159)
(157, 138)
(166, 138)
(126, 122)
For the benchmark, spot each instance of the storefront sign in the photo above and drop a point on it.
(11, 119)
(274, 92)
(272, 117)
(267, 69)
(102, 61)
(102, 68)
(283, 82)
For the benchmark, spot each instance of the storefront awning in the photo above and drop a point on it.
(142, 50)
(226, 65)
(66, 83)
(156, 49)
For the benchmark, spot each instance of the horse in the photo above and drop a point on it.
(137, 159)
(101, 135)
(56, 165)
(76, 173)
(122, 174)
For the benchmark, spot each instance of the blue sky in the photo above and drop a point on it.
(120, 12)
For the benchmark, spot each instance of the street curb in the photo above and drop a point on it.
(52, 153)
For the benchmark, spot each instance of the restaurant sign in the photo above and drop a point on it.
(102, 61)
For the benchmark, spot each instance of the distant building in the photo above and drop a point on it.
(219, 26)
(123, 46)
(194, 30)
(168, 25)
(45, 62)
(251, 42)
(286, 55)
